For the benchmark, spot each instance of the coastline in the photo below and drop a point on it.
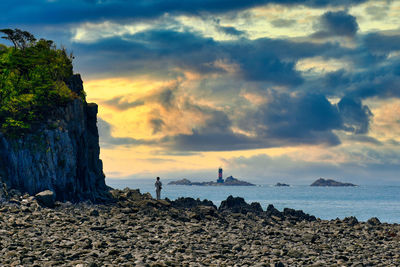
(327, 203)
(137, 230)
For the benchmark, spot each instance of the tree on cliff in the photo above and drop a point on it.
(33, 77)
(20, 39)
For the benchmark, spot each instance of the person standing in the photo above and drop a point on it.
(158, 186)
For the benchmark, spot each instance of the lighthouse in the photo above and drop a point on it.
(220, 180)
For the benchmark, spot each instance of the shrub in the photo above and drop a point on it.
(32, 81)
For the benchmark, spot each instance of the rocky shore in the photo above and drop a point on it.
(136, 230)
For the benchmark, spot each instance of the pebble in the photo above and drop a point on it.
(139, 231)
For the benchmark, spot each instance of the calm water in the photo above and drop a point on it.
(363, 202)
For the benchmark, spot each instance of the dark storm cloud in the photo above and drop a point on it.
(215, 135)
(379, 43)
(166, 97)
(338, 23)
(375, 71)
(122, 104)
(379, 80)
(76, 11)
(306, 119)
(356, 117)
(230, 30)
(150, 51)
(285, 120)
(263, 59)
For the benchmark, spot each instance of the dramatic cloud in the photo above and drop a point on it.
(355, 116)
(230, 30)
(336, 24)
(266, 60)
(122, 104)
(107, 140)
(381, 80)
(307, 119)
(379, 43)
(157, 125)
(76, 11)
(190, 80)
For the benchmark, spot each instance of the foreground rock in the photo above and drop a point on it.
(137, 230)
(46, 198)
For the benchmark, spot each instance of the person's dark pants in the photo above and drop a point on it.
(158, 192)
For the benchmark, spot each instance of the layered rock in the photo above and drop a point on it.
(61, 156)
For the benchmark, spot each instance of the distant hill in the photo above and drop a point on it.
(330, 182)
(229, 181)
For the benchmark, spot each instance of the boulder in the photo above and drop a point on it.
(297, 215)
(351, 221)
(46, 198)
(272, 211)
(288, 214)
(238, 205)
(374, 221)
(188, 203)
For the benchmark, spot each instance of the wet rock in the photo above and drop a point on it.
(351, 221)
(94, 213)
(239, 205)
(288, 214)
(374, 221)
(188, 203)
(46, 198)
(297, 215)
(272, 211)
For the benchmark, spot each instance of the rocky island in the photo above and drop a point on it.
(229, 181)
(330, 182)
(281, 184)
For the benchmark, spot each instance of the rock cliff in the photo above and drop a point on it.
(61, 155)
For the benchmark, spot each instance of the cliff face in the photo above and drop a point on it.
(63, 159)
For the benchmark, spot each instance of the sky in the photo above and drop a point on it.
(271, 91)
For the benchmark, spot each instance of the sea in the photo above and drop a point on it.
(363, 202)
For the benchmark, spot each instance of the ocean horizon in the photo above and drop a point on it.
(363, 201)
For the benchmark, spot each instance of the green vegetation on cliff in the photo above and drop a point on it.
(33, 75)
